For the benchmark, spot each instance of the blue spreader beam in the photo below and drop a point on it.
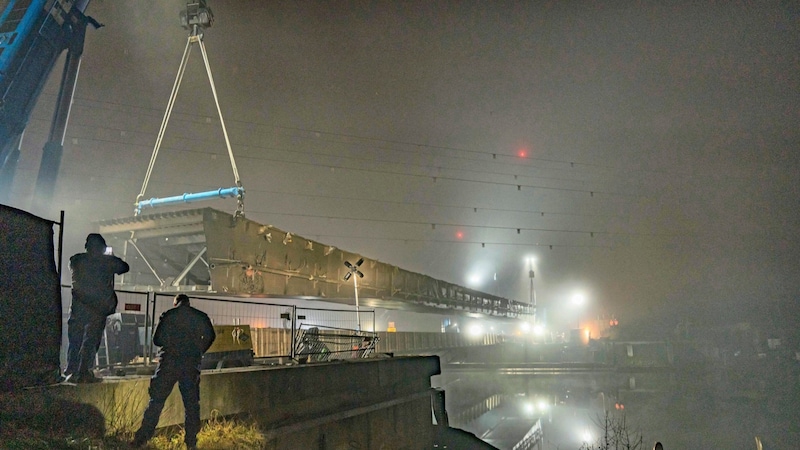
(190, 197)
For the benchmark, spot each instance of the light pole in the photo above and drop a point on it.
(531, 274)
(604, 403)
(353, 269)
(578, 300)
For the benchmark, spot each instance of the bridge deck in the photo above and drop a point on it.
(206, 250)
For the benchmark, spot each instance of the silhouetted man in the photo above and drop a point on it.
(184, 334)
(93, 299)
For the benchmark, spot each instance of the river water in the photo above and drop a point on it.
(682, 409)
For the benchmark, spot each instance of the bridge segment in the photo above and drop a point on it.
(209, 251)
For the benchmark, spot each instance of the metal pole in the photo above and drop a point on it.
(292, 353)
(152, 328)
(147, 325)
(60, 244)
(358, 318)
(532, 295)
(534, 303)
(189, 197)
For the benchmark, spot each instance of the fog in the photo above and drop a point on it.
(645, 155)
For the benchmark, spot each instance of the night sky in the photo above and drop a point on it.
(646, 155)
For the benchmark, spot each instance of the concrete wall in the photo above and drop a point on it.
(368, 403)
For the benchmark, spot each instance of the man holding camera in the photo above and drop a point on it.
(93, 299)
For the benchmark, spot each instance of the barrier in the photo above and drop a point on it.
(126, 339)
(316, 344)
(344, 319)
(400, 342)
(274, 327)
(233, 347)
(277, 330)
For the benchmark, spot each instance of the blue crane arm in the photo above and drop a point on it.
(33, 33)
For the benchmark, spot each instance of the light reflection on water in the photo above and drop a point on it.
(681, 410)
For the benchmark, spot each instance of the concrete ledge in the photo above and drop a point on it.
(370, 401)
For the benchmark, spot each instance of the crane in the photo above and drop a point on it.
(33, 34)
(196, 17)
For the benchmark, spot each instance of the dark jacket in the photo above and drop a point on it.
(184, 333)
(93, 280)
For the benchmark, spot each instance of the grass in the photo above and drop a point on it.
(217, 433)
(33, 422)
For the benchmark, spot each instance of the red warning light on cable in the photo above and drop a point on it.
(522, 153)
(459, 235)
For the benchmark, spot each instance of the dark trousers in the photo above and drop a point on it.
(187, 375)
(76, 326)
(84, 331)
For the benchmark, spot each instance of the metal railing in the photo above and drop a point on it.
(270, 323)
(329, 344)
(276, 329)
(127, 333)
(534, 438)
(400, 342)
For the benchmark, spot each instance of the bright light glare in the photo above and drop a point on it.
(529, 409)
(543, 405)
(579, 299)
(538, 330)
(586, 436)
(475, 329)
(525, 327)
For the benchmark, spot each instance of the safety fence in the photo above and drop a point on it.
(421, 341)
(126, 336)
(533, 439)
(328, 344)
(274, 330)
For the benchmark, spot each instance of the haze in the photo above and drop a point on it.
(645, 155)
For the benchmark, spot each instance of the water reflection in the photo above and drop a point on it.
(686, 410)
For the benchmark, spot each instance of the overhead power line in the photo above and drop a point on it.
(483, 244)
(433, 225)
(151, 111)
